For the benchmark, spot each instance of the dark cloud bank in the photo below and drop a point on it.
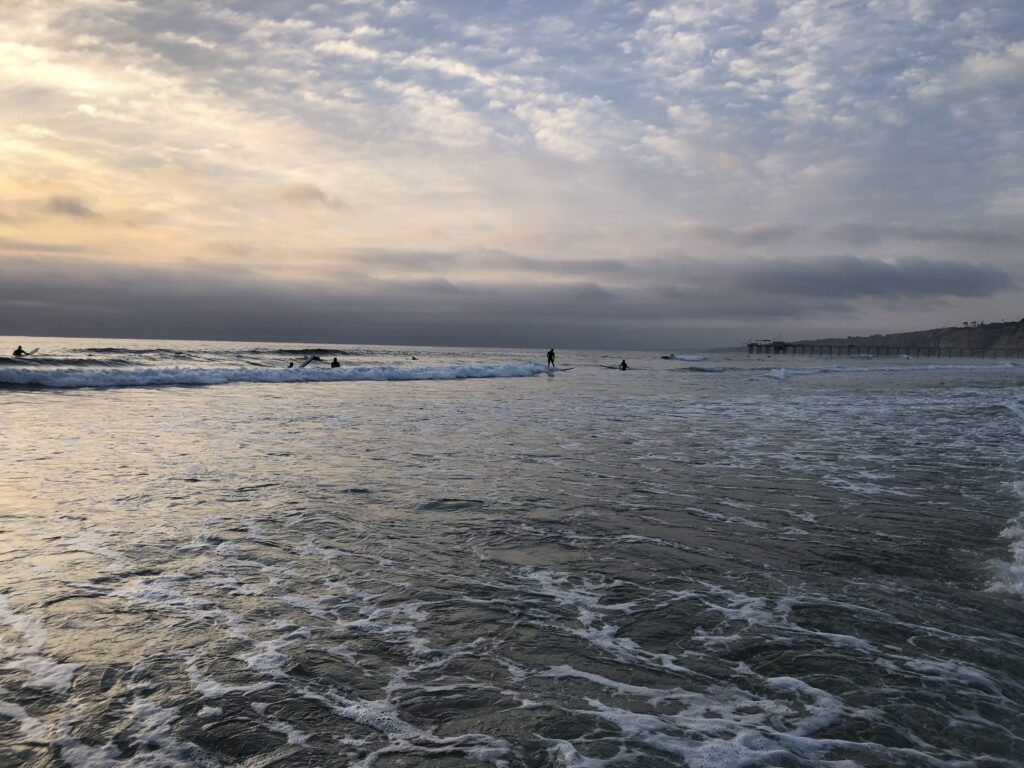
(663, 304)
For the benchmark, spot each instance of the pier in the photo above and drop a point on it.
(769, 347)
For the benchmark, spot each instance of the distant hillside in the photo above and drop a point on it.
(982, 336)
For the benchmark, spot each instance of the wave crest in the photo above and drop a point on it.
(162, 377)
(785, 373)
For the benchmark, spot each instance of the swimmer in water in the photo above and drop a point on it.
(335, 363)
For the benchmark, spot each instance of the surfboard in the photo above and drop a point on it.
(307, 361)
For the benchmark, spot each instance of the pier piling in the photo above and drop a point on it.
(772, 347)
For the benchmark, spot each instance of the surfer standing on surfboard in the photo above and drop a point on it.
(551, 358)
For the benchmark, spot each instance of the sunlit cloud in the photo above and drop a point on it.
(621, 156)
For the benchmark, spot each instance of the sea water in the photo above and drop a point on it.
(208, 559)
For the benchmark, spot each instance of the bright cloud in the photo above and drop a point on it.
(576, 148)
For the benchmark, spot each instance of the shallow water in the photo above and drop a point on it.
(706, 563)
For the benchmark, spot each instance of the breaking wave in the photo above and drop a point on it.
(157, 377)
(1009, 576)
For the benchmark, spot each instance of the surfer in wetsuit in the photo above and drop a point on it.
(19, 352)
(291, 365)
(623, 366)
(335, 363)
(551, 358)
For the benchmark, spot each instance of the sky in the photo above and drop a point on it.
(621, 175)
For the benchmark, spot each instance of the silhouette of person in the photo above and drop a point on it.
(291, 365)
(551, 358)
(19, 352)
(623, 366)
(335, 363)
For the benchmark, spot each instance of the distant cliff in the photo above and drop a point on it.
(983, 336)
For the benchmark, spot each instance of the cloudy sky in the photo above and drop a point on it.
(528, 172)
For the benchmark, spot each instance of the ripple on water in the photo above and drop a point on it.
(517, 574)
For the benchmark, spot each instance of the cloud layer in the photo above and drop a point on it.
(622, 174)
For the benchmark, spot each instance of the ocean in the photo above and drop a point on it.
(453, 557)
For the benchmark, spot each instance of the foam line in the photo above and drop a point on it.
(1009, 577)
(156, 377)
(42, 671)
(32, 729)
(784, 373)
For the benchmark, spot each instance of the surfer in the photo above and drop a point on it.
(291, 365)
(335, 363)
(623, 366)
(19, 352)
(551, 358)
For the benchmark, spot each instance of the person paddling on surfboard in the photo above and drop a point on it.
(551, 358)
(19, 352)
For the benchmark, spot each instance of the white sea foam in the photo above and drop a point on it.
(1015, 407)
(209, 688)
(42, 672)
(1009, 577)
(294, 735)
(565, 755)
(73, 378)
(32, 729)
(409, 610)
(267, 659)
(150, 733)
(654, 695)
(727, 726)
(965, 675)
(379, 715)
(688, 358)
